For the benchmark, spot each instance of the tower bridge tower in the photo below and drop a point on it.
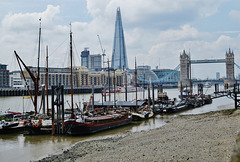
(230, 79)
(185, 67)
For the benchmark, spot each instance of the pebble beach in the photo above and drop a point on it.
(203, 137)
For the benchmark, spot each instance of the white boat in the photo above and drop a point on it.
(142, 114)
(129, 89)
(207, 85)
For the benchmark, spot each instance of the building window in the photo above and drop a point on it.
(67, 80)
(63, 79)
(49, 80)
(95, 80)
(60, 79)
(53, 79)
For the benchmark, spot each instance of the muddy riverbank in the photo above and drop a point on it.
(202, 137)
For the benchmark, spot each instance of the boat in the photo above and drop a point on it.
(187, 103)
(142, 114)
(129, 89)
(37, 123)
(14, 113)
(10, 123)
(89, 124)
(207, 85)
(13, 122)
(97, 119)
(178, 107)
(162, 96)
(38, 127)
(10, 127)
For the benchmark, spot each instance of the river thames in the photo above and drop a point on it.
(17, 147)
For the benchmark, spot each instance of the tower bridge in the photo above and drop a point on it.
(185, 71)
(207, 61)
(186, 62)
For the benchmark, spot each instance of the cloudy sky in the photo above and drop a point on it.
(156, 31)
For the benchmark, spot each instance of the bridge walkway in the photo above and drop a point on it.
(233, 93)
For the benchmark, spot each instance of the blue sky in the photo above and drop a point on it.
(156, 31)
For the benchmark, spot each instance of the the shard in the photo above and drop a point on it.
(119, 55)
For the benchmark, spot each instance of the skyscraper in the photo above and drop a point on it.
(119, 55)
(84, 57)
(93, 62)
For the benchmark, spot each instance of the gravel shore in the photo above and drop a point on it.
(204, 137)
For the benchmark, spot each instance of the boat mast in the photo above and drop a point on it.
(125, 78)
(38, 69)
(47, 78)
(71, 68)
(109, 93)
(136, 82)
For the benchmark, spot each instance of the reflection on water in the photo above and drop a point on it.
(17, 147)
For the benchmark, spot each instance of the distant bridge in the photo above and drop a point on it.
(208, 61)
(167, 79)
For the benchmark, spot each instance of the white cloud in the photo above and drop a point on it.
(186, 32)
(168, 53)
(235, 16)
(154, 30)
(155, 13)
(20, 32)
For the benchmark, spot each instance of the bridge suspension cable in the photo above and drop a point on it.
(237, 65)
(168, 76)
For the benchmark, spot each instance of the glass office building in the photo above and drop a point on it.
(4, 76)
(95, 62)
(84, 57)
(119, 55)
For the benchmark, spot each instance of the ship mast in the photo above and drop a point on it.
(136, 82)
(47, 79)
(38, 70)
(71, 69)
(35, 78)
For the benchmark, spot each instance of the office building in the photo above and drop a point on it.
(119, 54)
(84, 57)
(82, 77)
(95, 62)
(4, 76)
(92, 62)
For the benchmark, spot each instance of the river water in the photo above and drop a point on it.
(17, 147)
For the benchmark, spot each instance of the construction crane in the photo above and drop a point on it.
(103, 51)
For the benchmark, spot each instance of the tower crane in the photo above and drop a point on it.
(103, 51)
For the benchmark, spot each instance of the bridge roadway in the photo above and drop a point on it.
(208, 61)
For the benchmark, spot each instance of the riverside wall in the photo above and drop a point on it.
(24, 92)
